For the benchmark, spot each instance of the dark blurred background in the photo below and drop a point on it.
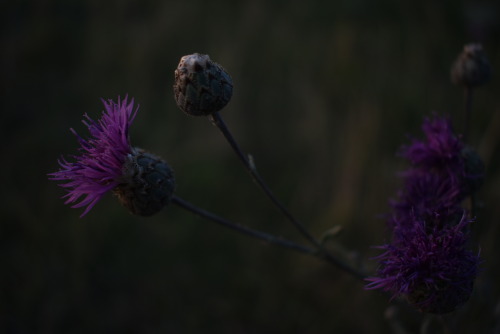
(325, 92)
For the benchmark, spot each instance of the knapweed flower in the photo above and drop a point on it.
(440, 149)
(430, 266)
(107, 161)
(426, 195)
(427, 261)
(443, 171)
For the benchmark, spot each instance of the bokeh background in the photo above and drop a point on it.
(325, 93)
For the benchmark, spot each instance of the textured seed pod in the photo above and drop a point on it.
(201, 86)
(472, 68)
(148, 183)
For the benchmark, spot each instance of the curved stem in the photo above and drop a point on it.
(217, 120)
(249, 166)
(241, 228)
(272, 239)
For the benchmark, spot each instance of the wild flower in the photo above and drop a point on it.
(429, 265)
(107, 161)
(427, 261)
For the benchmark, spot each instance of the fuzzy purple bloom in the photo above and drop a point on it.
(440, 177)
(441, 148)
(425, 194)
(99, 167)
(429, 266)
(427, 261)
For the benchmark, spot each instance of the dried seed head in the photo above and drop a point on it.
(148, 183)
(201, 86)
(472, 68)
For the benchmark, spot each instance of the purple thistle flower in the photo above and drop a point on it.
(440, 149)
(99, 168)
(427, 195)
(143, 182)
(443, 172)
(427, 261)
(429, 266)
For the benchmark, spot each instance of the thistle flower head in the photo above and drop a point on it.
(426, 195)
(427, 261)
(441, 163)
(441, 148)
(429, 266)
(107, 160)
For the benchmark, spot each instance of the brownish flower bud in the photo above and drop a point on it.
(201, 86)
(472, 68)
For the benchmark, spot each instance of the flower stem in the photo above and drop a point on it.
(250, 167)
(272, 239)
(468, 90)
(468, 111)
(217, 120)
(241, 228)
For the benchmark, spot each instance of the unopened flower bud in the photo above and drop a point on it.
(472, 68)
(201, 86)
(148, 183)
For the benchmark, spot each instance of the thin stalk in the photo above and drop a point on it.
(217, 120)
(249, 166)
(272, 239)
(468, 111)
(468, 90)
(275, 240)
